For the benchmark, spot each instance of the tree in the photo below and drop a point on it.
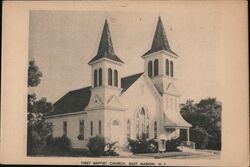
(205, 117)
(38, 130)
(34, 75)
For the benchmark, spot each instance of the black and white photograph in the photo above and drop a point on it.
(118, 83)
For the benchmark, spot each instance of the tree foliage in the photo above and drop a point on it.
(171, 145)
(205, 117)
(143, 145)
(38, 130)
(34, 75)
(98, 146)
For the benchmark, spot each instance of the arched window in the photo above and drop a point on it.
(155, 130)
(150, 68)
(116, 78)
(110, 76)
(91, 128)
(167, 67)
(100, 77)
(142, 123)
(100, 127)
(128, 129)
(156, 72)
(171, 68)
(95, 78)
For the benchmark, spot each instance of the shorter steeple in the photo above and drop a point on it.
(160, 41)
(106, 49)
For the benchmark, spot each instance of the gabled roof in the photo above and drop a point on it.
(160, 41)
(106, 49)
(73, 101)
(78, 100)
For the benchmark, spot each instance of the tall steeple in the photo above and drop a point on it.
(160, 41)
(159, 61)
(106, 49)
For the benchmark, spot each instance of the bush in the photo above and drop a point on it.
(171, 145)
(200, 137)
(80, 137)
(58, 145)
(96, 146)
(110, 149)
(143, 145)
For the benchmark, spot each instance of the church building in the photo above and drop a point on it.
(122, 108)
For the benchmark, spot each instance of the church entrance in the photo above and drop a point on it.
(115, 131)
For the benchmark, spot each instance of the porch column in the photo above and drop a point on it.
(188, 134)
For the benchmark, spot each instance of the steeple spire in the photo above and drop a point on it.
(160, 41)
(106, 46)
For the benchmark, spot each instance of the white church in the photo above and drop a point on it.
(121, 108)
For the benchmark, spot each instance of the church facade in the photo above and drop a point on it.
(121, 108)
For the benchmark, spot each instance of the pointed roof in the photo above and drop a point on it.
(106, 46)
(160, 41)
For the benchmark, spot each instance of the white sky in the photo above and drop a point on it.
(63, 42)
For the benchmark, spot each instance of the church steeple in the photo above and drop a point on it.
(159, 61)
(160, 41)
(106, 49)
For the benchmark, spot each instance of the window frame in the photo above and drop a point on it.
(156, 67)
(115, 78)
(150, 69)
(65, 128)
(110, 79)
(100, 76)
(167, 67)
(95, 78)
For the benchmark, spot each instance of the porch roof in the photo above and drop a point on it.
(174, 120)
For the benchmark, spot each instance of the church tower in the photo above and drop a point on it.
(105, 107)
(105, 70)
(159, 61)
(159, 65)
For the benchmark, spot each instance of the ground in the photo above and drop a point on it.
(198, 154)
(182, 155)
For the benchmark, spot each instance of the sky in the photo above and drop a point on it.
(63, 42)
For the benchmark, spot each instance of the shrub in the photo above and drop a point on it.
(199, 136)
(80, 137)
(143, 145)
(96, 146)
(171, 145)
(58, 145)
(110, 149)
